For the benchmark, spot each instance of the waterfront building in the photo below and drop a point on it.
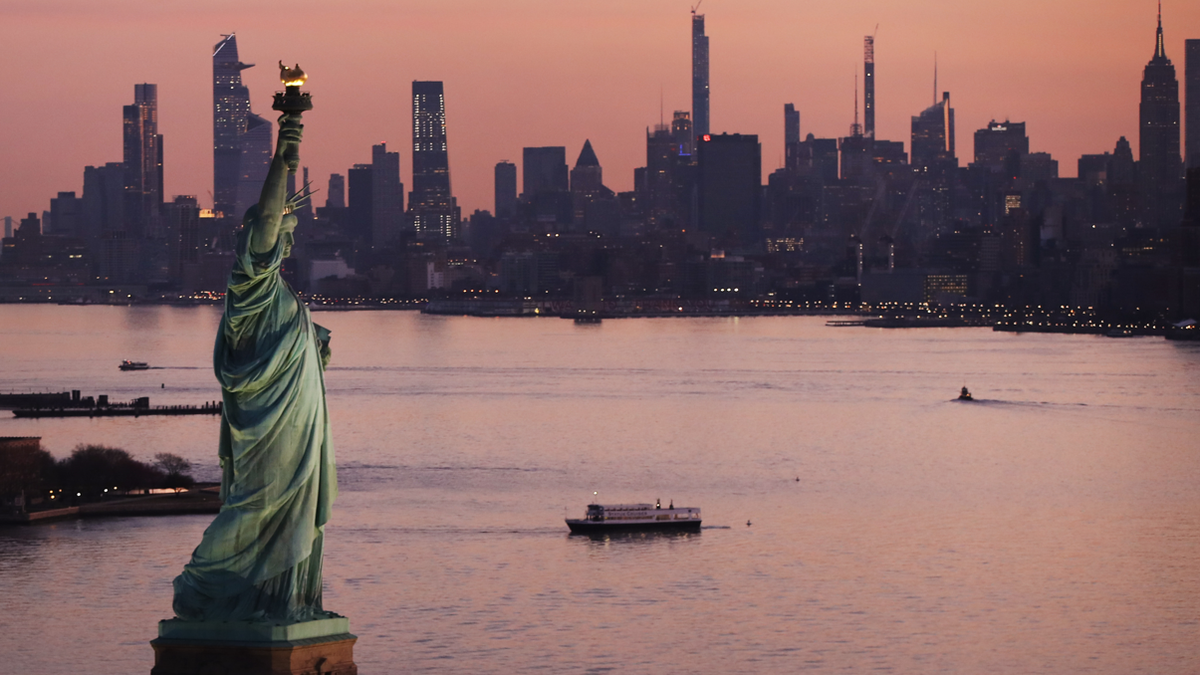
(700, 118)
(434, 210)
(1159, 168)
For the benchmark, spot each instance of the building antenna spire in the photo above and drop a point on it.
(856, 129)
(935, 78)
(1160, 50)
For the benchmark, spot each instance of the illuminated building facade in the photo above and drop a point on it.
(231, 107)
(433, 209)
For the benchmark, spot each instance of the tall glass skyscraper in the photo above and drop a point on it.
(699, 76)
(142, 160)
(433, 208)
(234, 174)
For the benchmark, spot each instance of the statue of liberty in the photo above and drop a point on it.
(260, 559)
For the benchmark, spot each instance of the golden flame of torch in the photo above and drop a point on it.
(292, 77)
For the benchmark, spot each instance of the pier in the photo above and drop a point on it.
(139, 408)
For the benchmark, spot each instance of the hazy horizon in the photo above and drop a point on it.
(535, 72)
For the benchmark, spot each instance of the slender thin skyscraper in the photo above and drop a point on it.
(869, 86)
(434, 209)
(231, 107)
(1159, 159)
(700, 120)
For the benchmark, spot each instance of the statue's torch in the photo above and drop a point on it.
(292, 103)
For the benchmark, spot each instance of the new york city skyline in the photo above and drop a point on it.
(537, 74)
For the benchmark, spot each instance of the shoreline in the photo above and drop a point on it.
(201, 500)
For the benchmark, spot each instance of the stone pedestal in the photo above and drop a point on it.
(322, 646)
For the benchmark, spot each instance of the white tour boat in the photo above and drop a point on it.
(636, 518)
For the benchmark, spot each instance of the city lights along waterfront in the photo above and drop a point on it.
(856, 516)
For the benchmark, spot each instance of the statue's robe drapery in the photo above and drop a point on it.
(261, 557)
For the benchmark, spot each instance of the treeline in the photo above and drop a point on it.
(89, 473)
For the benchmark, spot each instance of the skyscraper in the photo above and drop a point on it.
(700, 120)
(336, 194)
(1158, 152)
(869, 86)
(387, 194)
(1191, 115)
(143, 160)
(231, 106)
(791, 136)
(433, 208)
(933, 137)
(730, 184)
(996, 145)
(543, 170)
(253, 164)
(506, 189)
(361, 202)
(681, 132)
(587, 175)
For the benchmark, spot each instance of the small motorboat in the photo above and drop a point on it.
(965, 395)
(134, 365)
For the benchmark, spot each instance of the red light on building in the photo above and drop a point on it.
(706, 138)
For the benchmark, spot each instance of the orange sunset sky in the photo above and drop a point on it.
(556, 72)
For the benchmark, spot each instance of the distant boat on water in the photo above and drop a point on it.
(602, 518)
(134, 365)
(965, 395)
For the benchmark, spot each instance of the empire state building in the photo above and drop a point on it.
(1159, 163)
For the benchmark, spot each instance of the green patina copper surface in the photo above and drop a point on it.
(260, 559)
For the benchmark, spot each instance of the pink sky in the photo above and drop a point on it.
(547, 72)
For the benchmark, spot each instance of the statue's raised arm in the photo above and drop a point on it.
(266, 227)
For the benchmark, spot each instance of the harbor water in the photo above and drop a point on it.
(856, 517)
